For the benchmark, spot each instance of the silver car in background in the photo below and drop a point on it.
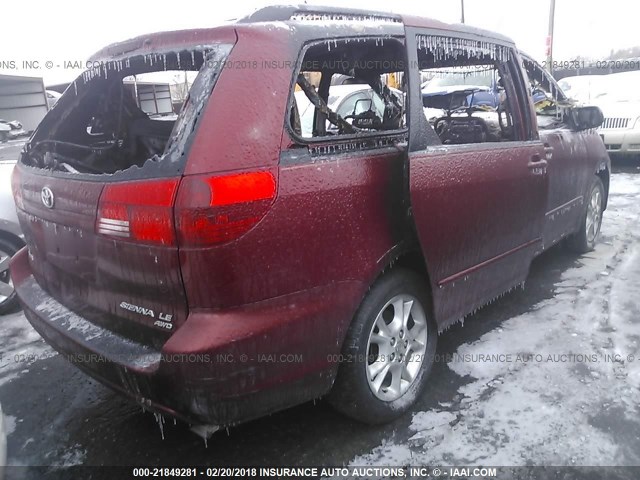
(10, 237)
(619, 100)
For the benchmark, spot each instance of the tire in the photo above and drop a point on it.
(585, 239)
(4, 136)
(358, 392)
(8, 298)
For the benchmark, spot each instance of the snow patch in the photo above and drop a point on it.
(573, 358)
(21, 347)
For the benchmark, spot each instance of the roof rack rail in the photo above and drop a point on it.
(284, 13)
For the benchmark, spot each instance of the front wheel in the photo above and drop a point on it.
(584, 240)
(388, 352)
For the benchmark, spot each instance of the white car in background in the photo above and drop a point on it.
(345, 100)
(584, 89)
(619, 100)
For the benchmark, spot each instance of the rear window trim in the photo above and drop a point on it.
(151, 169)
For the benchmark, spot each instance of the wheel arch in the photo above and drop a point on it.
(604, 174)
(13, 238)
(410, 257)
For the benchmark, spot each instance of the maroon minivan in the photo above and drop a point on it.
(260, 249)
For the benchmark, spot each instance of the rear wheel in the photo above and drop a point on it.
(388, 351)
(584, 240)
(8, 298)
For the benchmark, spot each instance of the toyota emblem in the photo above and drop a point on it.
(47, 197)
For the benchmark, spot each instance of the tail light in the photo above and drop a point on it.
(140, 211)
(217, 209)
(16, 188)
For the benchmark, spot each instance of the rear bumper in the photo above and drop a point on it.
(218, 367)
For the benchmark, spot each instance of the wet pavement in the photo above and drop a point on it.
(56, 415)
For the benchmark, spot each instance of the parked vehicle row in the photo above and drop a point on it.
(618, 97)
(267, 248)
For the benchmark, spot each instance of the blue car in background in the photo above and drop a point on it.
(465, 87)
(461, 87)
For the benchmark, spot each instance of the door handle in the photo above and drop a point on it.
(537, 167)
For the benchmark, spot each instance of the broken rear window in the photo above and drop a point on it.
(132, 112)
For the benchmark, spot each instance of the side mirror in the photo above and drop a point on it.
(584, 118)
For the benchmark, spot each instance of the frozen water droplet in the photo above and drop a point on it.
(160, 421)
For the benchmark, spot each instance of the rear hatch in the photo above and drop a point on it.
(95, 188)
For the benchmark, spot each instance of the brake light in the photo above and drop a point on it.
(140, 211)
(16, 188)
(217, 209)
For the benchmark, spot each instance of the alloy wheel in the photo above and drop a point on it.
(594, 215)
(396, 347)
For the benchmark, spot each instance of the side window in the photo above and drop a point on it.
(468, 93)
(548, 100)
(349, 87)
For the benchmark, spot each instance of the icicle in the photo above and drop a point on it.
(193, 58)
(160, 421)
(205, 431)
(178, 60)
